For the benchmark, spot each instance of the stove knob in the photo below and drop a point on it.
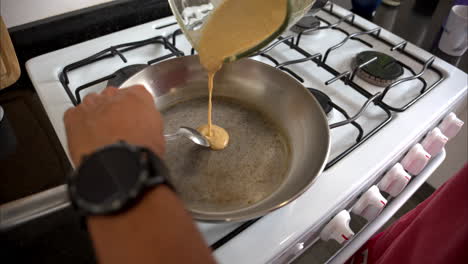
(451, 125)
(416, 159)
(338, 228)
(434, 142)
(370, 204)
(395, 180)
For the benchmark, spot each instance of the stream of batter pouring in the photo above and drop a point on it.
(234, 27)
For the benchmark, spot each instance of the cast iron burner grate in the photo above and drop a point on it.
(113, 51)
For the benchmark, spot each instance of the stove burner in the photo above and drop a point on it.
(124, 74)
(323, 99)
(305, 23)
(381, 72)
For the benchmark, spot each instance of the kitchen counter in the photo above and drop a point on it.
(60, 238)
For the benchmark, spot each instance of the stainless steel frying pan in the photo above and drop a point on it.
(225, 177)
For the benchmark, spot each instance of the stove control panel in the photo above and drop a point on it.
(395, 180)
(416, 159)
(370, 204)
(451, 125)
(434, 142)
(338, 228)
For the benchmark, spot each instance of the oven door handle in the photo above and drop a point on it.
(34, 206)
(356, 242)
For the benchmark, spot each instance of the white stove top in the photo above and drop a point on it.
(276, 232)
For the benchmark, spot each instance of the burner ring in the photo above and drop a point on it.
(381, 72)
(323, 99)
(306, 23)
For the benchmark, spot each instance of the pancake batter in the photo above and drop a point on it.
(234, 27)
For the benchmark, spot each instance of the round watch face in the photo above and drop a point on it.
(107, 180)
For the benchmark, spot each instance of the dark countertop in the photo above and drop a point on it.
(40, 163)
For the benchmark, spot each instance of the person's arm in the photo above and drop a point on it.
(156, 230)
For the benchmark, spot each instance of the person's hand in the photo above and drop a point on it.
(115, 114)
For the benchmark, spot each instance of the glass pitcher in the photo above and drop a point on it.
(192, 15)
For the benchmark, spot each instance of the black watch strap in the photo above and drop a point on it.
(156, 168)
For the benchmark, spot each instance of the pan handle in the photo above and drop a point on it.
(33, 206)
(358, 114)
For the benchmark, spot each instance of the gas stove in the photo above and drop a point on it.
(381, 94)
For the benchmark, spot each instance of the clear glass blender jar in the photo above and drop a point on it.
(193, 14)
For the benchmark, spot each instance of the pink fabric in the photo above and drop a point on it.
(436, 231)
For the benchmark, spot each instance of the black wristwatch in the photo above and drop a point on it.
(114, 178)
